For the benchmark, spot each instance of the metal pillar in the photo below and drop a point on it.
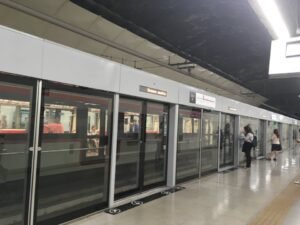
(112, 177)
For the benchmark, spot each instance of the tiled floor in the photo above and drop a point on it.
(220, 199)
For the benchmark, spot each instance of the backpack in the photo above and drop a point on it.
(254, 142)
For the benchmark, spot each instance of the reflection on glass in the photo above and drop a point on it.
(155, 144)
(59, 119)
(15, 103)
(75, 153)
(255, 125)
(210, 142)
(188, 146)
(93, 132)
(285, 136)
(129, 146)
(227, 140)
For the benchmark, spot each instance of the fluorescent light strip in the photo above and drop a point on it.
(272, 13)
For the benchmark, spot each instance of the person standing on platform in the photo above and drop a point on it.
(276, 146)
(247, 146)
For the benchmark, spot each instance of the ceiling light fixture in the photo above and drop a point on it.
(272, 13)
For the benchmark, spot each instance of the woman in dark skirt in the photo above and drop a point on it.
(276, 146)
(247, 146)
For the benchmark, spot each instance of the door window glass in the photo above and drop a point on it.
(15, 116)
(188, 146)
(74, 167)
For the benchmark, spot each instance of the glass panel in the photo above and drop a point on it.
(74, 163)
(284, 137)
(210, 142)
(155, 144)
(227, 140)
(261, 147)
(129, 145)
(188, 146)
(295, 135)
(15, 104)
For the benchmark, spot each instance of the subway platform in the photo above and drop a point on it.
(238, 197)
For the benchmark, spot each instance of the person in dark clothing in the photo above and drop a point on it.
(247, 146)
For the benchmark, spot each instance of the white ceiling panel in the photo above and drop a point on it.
(49, 7)
(162, 54)
(20, 21)
(76, 15)
(147, 48)
(3, 12)
(129, 39)
(105, 29)
(91, 46)
(62, 36)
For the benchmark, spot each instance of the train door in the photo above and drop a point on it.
(17, 124)
(142, 146)
(74, 159)
(188, 144)
(210, 141)
(227, 141)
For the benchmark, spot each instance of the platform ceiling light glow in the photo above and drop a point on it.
(272, 13)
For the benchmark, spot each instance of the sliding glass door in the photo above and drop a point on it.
(142, 146)
(188, 144)
(17, 113)
(74, 160)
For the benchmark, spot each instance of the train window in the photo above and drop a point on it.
(190, 125)
(131, 122)
(59, 119)
(93, 121)
(196, 127)
(152, 125)
(14, 112)
(187, 125)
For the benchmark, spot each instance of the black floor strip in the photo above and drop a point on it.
(136, 203)
(229, 170)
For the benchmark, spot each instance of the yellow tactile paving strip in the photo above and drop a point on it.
(277, 210)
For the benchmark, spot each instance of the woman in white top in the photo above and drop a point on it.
(247, 146)
(276, 146)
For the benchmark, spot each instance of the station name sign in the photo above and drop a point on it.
(201, 99)
(153, 91)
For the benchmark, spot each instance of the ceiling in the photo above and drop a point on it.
(64, 22)
(224, 36)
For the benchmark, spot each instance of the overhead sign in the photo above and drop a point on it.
(285, 58)
(203, 100)
(153, 91)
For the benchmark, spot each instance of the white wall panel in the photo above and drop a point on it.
(20, 53)
(71, 66)
(131, 80)
(31, 56)
(231, 106)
